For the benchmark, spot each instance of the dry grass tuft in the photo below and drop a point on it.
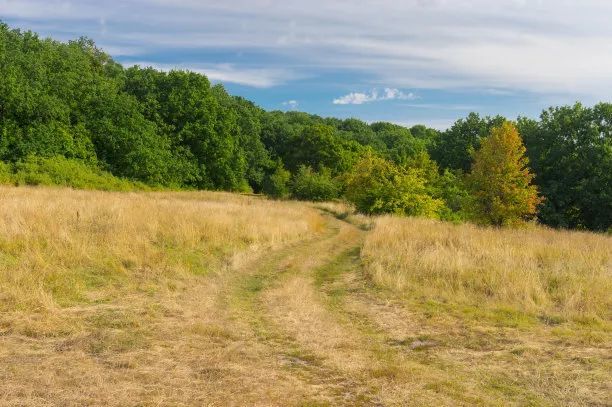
(565, 274)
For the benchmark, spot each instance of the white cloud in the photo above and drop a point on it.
(291, 104)
(357, 98)
(353, 99)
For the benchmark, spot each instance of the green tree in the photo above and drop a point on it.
(66, 99)
(428, 135)
(453, 149)
(450, 187)
(447, 186)
(249, 139)
(570, 150)
(317, 146)
(200, 123)
(400, 145)
(358, 131)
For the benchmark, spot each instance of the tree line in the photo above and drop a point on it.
(71, 115)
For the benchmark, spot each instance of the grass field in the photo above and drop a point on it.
(193, 298)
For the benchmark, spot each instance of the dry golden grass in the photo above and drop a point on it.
(506, 316)
(60, 247)
(157, 298)
(116, 298)
(564, 274)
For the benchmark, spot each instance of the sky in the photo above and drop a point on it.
(406, 61)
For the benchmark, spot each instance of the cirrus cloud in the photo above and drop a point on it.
(543, 46)
(505, 56)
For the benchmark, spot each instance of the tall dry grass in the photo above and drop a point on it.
(562, 273)
(61, 247)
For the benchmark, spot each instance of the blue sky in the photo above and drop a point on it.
(409, 62)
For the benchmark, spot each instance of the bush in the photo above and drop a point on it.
(67, 172)
(6, 175)
(309, 185)
(276, 184)
(450, 187)
(376, 186)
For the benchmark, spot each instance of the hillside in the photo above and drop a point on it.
(202, 298)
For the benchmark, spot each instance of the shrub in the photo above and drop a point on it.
(68, 172)
(314, 186)
(450, 187)
(376, 186)
(276, 184)
(6, 175)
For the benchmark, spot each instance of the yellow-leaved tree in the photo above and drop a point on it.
(500, 181)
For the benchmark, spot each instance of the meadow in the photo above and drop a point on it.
(205, 298)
